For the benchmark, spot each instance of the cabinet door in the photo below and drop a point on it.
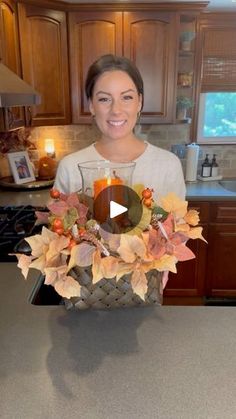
(221, 268)
(150, 41)
(91, 35)
(9, 55)
(43, 39)
(190, 278)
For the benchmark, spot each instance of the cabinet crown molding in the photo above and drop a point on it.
(187, 6)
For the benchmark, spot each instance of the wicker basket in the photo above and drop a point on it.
(109, 293)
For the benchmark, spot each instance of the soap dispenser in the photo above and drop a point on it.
(206, 167)
(214, 167)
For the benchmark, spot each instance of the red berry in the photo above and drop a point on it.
(148, 202)
(55, 194)
(147, 193)
(57, 223)
(59, 231)
(71, 244)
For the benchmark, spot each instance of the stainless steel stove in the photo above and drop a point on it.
(16, 223)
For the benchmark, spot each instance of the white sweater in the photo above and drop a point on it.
(156, 168)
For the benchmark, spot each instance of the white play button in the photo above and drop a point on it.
(116, 209)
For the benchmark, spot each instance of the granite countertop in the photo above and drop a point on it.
(196, 191)
(38, 197)
(167, 362)
(208, 191)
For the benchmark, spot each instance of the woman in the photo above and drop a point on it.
(114, 88)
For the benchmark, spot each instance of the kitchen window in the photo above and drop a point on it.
(217, 118)
(217, 80)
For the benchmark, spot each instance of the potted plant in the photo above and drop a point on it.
(183, 104)
(186, 39)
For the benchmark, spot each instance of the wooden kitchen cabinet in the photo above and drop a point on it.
(189, 282)
(147, 38)
(213, 273)
(91, 35)
(10, 56)
(43, 39)
(221, 266)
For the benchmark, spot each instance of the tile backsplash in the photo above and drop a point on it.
(70, 138)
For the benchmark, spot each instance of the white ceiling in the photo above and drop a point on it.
(227, 5)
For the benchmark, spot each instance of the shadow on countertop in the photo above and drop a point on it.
(88, 338)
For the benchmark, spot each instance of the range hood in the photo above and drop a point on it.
(14, 91)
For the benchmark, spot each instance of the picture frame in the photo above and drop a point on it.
(21, 168)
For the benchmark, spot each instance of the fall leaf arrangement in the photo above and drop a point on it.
(72, 238)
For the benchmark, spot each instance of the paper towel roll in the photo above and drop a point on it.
(191, 162)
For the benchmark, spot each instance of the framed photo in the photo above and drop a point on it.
(21, 167)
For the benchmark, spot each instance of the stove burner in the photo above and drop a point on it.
(16, 223)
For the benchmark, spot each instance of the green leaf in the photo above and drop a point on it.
(70, 218)
(158, 210)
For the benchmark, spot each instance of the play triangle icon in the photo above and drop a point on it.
(116, 209)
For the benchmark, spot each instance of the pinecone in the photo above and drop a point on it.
(154, 220)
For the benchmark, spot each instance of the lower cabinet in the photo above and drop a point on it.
(221, 255)
(212, 274)
(188, 285)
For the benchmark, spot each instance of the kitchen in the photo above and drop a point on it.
(63, 116)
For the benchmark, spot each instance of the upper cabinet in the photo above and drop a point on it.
(150, 41)
(55, 43)
(9, 50)
(9, 55)
(147, 38)
(43, 39)
(91, 35)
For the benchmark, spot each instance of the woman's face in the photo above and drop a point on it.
(115, 104)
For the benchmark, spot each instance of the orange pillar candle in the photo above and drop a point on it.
(102, 204)
(103, 183)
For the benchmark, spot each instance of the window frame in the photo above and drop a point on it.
(200, 124)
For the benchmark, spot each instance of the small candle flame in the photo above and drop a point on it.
(49, 146)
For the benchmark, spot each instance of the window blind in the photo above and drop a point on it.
(219, 60)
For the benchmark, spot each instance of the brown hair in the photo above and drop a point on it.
(111, 62)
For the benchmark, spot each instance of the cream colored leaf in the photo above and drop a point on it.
(131, 247)
(124, 269)
(139, 283)
(68, 287)
(182, 227)
(165, 263)
(24, 262)
(39, 263)
(52, 274)
(192, 217)
(96, 266)
(111, 240)
(195, 233)
(172, 203)
(56, 246)
(81, 255)
(109, 266)
(39, 242)
(105, 267)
